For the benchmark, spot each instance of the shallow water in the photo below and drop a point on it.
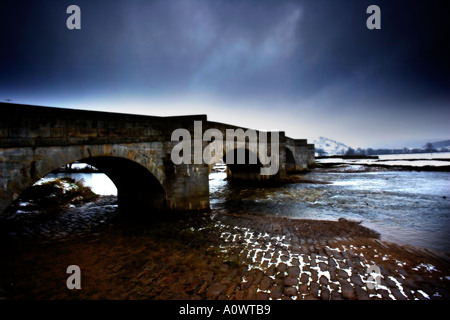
(403, 206)
(406, 207)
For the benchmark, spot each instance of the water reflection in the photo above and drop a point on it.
(404, 206)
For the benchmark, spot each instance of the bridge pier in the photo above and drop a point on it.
(187, 187)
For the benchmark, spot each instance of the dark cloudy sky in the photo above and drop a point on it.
(308, 67)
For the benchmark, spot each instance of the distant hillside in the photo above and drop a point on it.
(326, 146)
(411, 144)
(440, 144)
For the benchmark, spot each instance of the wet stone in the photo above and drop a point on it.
(303, 289)
(334, 286)
(332, 272)
(341, 274)
(408, 293)
(346, 255)
(323, 280)
(361, 294)
(295, 262)
(231, 289)
(315, 289)
(336, 295)
(306, 259)
(279, 278)
(403, 272)
(215, 290)
(390, 283)
(314, 275)
(276, 292)
(331, 262)
(289, 281)
(347, 292)
(270, 271)
(265, 283)
(324, 293)
(349, 263)
(225, 281)
(337, 255)
(351, 253)
(290, 291)
(262, 296)
(411, 284)
(304, 278)
(265, 264)
(358, 264)
(293, 271)
(208, 276)
(397, 294)
(282, 267)
(251, 293)
(243, 256)
(429, 290)
(389, 268)
(248, 283)
(400, 280)
(419, 296)
(418, 278)
(259, 256)
(371, 291)
(383, 270)
(384, 294)
(296, 249)
(356, 280)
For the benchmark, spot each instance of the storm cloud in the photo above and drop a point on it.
(311, 68)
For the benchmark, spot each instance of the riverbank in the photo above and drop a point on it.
(393, 162)
(217, 256)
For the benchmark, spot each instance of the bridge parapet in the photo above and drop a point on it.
(27, 125)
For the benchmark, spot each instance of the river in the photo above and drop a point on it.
(407, 207)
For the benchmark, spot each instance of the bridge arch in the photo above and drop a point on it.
(248, 171)
(138, 178)
(137, 188)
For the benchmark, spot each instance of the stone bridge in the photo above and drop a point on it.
(133, 150)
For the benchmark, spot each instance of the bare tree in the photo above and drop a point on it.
(429, 147)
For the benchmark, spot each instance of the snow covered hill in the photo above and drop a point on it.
(325, 146)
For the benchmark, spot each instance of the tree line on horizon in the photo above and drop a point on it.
(428, 148)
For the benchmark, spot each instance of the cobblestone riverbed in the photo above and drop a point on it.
(209, 255)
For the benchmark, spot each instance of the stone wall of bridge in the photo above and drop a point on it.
(133, 150)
